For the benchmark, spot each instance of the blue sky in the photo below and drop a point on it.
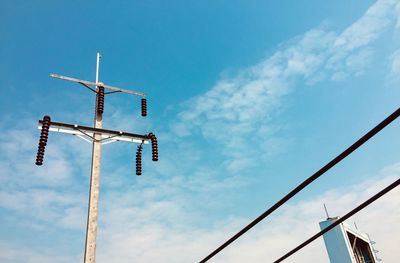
(248, 98)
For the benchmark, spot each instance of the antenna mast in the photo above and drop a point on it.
(326, 212)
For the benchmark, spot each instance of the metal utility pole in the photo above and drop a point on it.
(97, 136)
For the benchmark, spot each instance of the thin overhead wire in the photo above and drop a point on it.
(309, 180)
(340, 220)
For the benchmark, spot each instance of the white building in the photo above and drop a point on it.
(347, 245)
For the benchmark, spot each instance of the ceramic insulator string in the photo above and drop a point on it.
(144, 107)
(100, 100)
(44, 134)
(139, 159)
(154, 146)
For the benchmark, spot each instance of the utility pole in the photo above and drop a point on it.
(93, 209)
(97, 136)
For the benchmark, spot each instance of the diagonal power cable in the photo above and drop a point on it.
(340, 220)
(308, 181)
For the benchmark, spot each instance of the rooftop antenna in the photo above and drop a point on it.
(326, 212)
(97, 136)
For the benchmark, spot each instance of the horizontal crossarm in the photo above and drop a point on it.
(83, 131)
(88, 83)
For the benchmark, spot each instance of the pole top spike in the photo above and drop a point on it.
(326, 212)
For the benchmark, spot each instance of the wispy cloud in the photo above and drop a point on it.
(18, 150)
(141, 235)
(48, 195)
(395, 66)
(17, 254)
(238, 110)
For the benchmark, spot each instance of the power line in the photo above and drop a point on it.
(309, 180)
(340, 220)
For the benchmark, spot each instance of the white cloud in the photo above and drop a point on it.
(160, 232)
(369, 27)
(49, 207)
(235, 110)
(397, 10)
(27, 255)
(395, 66)
(47, 195)
(18, 152)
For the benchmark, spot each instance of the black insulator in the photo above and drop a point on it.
(154, 147)
(144, 107)
(40, 150)
(44, 137)
(44, 134)
(139, 160)
(100, 100)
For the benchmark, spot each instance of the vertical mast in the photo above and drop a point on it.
(93, 210)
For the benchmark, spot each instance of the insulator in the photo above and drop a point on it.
(139, 160)
(144, 107)
(41, 149)
(100, 100)
(154, 147)
(44, 134)
(44, 137)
